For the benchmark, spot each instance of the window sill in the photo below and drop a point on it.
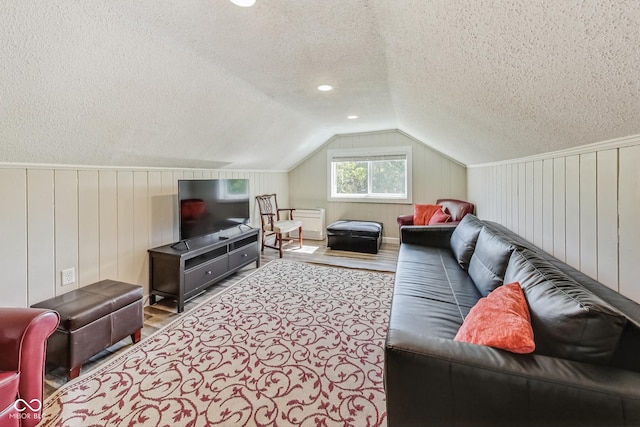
(369, 199)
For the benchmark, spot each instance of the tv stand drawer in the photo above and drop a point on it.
(204, 273)
(243, 256)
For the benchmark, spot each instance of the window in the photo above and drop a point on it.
(381, 175)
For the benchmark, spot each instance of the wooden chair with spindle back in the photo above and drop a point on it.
(273, 223)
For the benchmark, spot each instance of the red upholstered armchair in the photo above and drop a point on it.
(456, 208)
(23, 345)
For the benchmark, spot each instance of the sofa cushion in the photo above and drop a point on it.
(456, 208)
(423, 213)
(463, 240)
(489, 261)
(439, 217)
(568, 320)
(500, 320)
(432, 273)
(424, 317)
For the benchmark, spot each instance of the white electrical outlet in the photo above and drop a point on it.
(68, 276)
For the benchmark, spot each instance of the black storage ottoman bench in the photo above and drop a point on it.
(356, 236)
(92, 318)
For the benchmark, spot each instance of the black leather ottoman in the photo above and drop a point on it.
(92, 318)
(356, 236)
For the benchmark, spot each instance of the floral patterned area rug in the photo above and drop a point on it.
(293, 344)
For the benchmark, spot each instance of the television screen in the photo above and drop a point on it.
(210, 205)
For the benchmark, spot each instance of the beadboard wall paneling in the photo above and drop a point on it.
(98, 221)
(125, 254)
(140, 227)
(572, 202)
(41, 236)
(629, 226)
(529, 202)
(559, 210)
(66, 226)
(108, 206)
(168, 204)
(155, 211)
(607, 211)
(434, 176)
(547, 205)
(538, 230)
(88, 227)
(13, 229)
(583, 208)
(515, 204)
(588, 216)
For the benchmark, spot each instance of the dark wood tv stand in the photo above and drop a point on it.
(182, 274)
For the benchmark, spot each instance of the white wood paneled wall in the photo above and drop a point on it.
(434, 176)
(583, 208)
(99, 221)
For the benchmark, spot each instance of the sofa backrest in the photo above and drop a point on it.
(463, 239)
(489, 261)
(615, 312)
(568, 320)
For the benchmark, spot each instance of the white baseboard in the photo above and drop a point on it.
(391, 240)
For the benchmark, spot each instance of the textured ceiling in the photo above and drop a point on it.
(204, 83)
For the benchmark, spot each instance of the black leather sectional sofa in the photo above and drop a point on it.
(585, 370)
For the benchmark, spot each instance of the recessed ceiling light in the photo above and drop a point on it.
(244, 3)
(325, 88)
(352, 117)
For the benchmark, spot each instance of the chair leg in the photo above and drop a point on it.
(262, 250)
(135, 337)
(300, 236)
(279, 238)
(73, 372)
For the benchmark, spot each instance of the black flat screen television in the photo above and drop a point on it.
(208, 206)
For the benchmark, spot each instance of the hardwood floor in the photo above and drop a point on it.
(164, 311)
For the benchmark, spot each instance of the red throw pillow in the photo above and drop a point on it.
(423, 213)
(439, 217)
(500, 320)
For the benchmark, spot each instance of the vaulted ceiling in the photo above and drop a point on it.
(204, 83)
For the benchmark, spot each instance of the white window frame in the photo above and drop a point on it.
(367, 153)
